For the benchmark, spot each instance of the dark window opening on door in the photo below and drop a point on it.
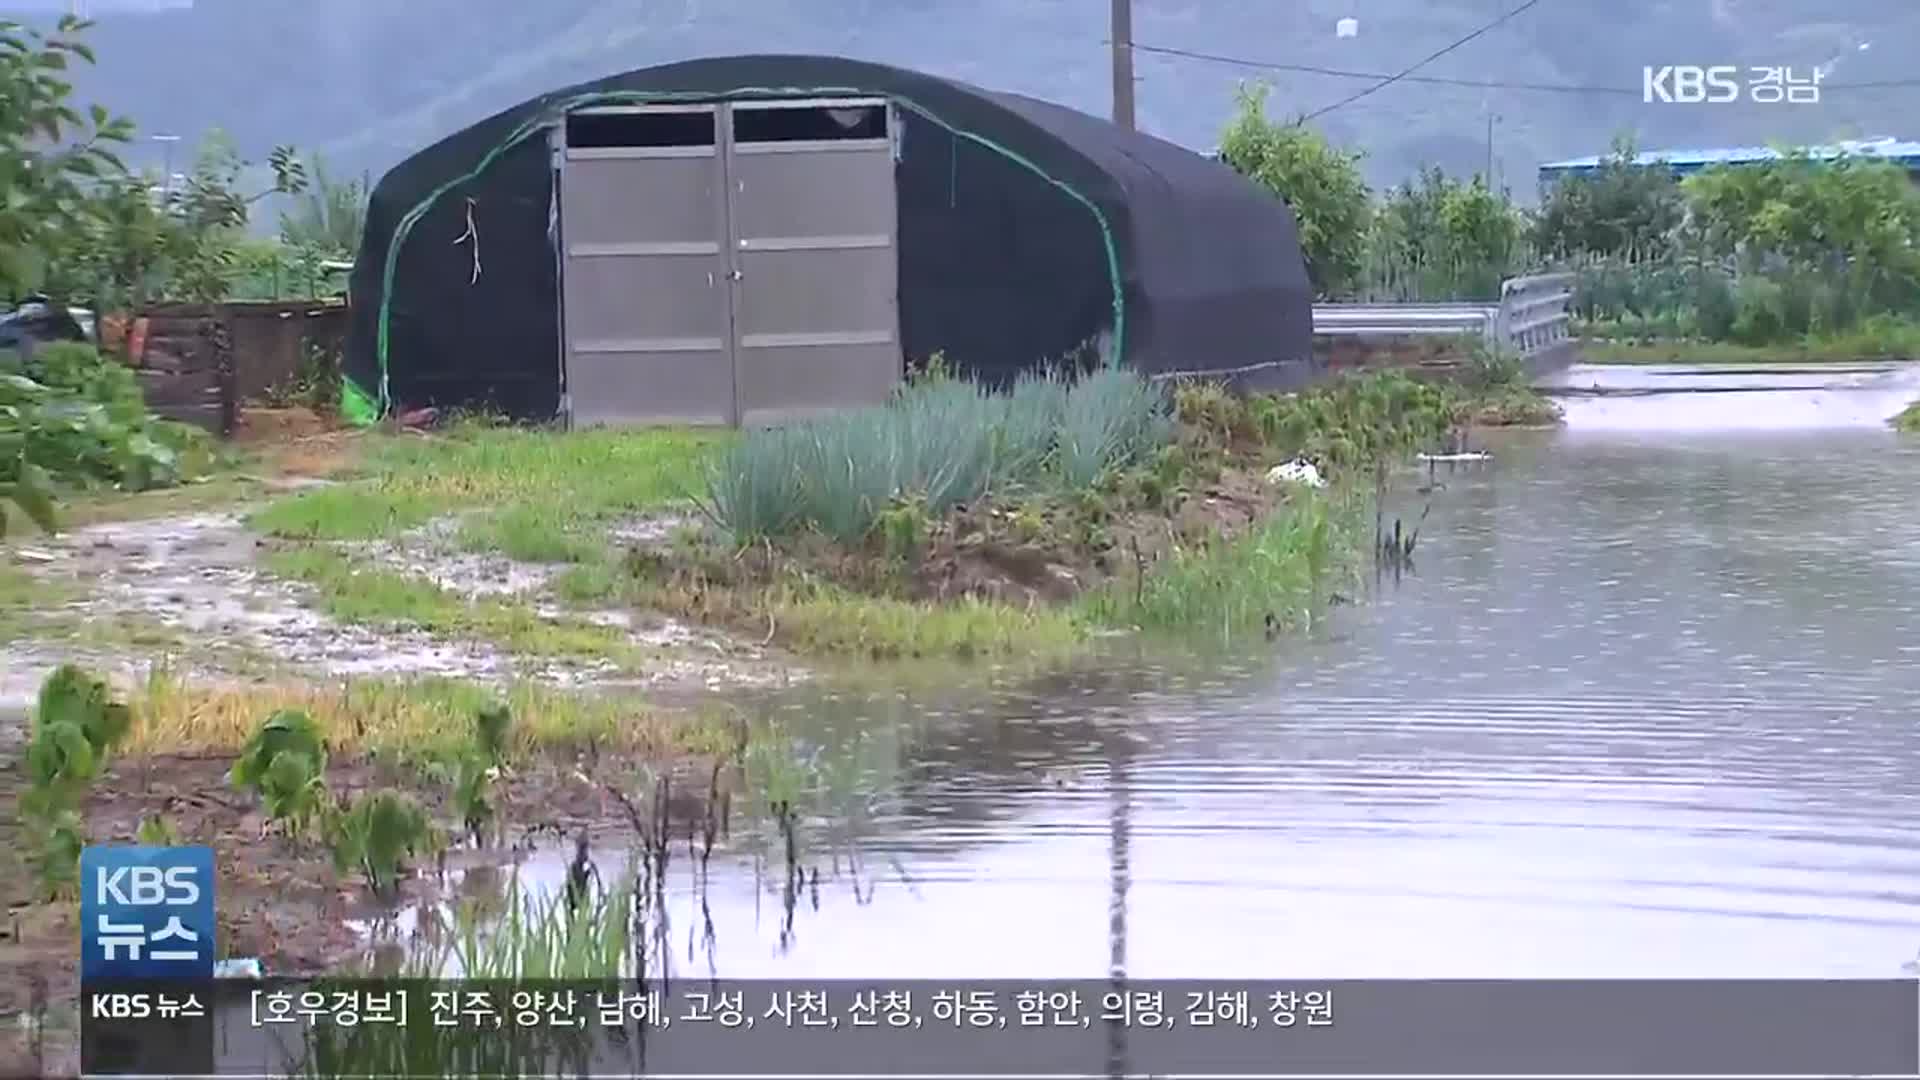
(606, 129)
(819, 123)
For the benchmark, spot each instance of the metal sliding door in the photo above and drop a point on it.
(813, 224)
(729, 264)
(646, 301)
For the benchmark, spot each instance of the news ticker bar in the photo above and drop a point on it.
(771, 1028)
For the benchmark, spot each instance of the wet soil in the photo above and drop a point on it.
(197, 576)
(280, 899)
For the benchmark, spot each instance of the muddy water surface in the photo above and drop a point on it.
(1645, 707)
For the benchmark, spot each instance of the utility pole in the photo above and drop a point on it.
(1122, 36)
(1489, 173)
(166, 177)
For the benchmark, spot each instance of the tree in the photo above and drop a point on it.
(1621, 208)
(1322, 184)
(1446, 239)
(329, 216)
(211, 212)
(1810, 212)
(49, 152)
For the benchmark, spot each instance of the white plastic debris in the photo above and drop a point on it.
(1347, 27)
(35, 555)
(239, 967)
(1296, 472)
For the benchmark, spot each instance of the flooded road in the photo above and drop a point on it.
(1645, 708)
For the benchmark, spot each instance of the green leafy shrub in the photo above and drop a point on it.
(285, 764)
(70, 417)
(76, 726)
(379, 834)
(1359, 419)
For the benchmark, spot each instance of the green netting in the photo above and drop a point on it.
(357, 407)
(540, 123)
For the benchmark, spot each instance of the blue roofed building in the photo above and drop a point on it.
(1682, 162)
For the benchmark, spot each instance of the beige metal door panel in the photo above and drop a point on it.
(647, 309)
(814, 226)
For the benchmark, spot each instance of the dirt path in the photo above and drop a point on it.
(197, 575)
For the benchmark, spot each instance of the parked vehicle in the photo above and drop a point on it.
(38, 322)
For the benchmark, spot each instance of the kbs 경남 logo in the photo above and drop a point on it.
(146, 912)
(1690, 84)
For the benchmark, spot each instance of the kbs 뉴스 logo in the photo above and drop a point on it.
(146, 912)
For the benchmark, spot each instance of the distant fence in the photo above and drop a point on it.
(1530, 321)
(199, 363)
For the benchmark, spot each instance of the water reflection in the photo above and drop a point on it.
(1643, 709)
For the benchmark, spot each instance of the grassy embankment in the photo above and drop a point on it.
(1883, 338)
(528, 495)
(950, 523)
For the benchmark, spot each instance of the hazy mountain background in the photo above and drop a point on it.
(367, 81)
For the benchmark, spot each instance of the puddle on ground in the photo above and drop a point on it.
(197, 574)
(431, 554)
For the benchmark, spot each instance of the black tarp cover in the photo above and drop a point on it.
(1026, 230)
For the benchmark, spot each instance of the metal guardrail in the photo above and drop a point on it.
(1530, 317)
(1348, 320)
(1533, 312)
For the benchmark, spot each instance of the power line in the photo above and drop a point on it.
(1430, 58)
(1479, 84)
(1314, 69)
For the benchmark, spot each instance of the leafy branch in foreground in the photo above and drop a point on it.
(49, 151)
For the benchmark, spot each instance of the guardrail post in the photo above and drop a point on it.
(1535, 311)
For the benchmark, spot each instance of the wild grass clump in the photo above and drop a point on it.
(354, 592)
(1268, 578)
(1113, 418)
(548, 936)
(553, 481)
(1908, 419)
(535, 534)
(942, 442)
(421, 720)
(838, 622)
(538, 939)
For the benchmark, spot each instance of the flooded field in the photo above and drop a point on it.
(1643, 708)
